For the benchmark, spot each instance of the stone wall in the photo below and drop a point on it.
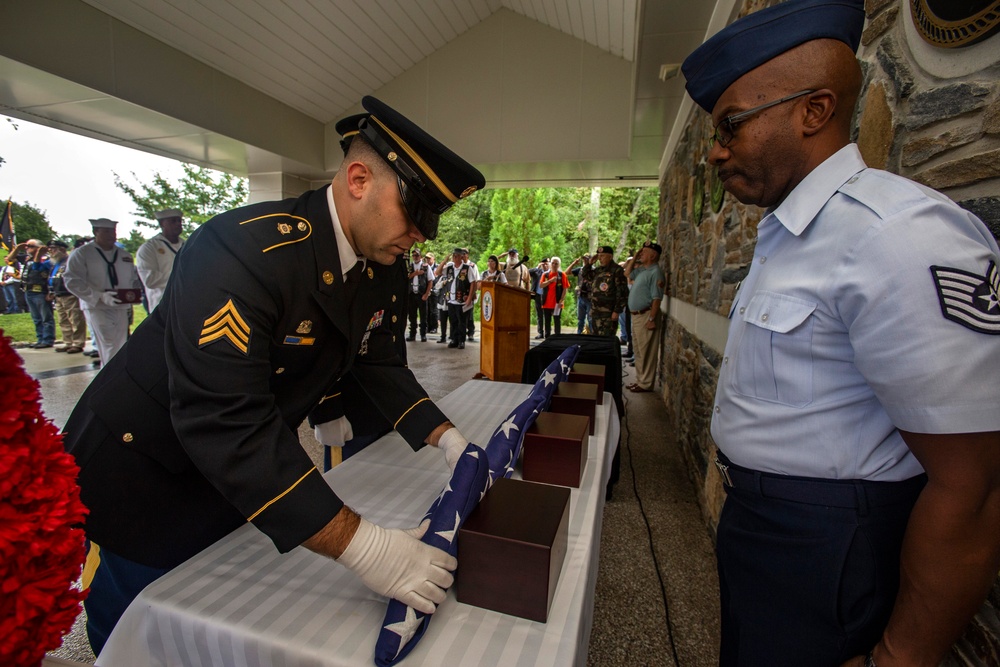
(940, 128)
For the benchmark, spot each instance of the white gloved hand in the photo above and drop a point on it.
(453, 443)
(109, 299)
(395, 563)
(334, 433)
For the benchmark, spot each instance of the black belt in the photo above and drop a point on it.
(640, 312)
(850, 493)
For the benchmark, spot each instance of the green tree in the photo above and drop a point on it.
(200, 194)
(466, 224)
(31, 223)
(132, 243)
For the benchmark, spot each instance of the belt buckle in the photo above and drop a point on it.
(724, 471)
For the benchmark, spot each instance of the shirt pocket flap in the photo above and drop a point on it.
(777, 312)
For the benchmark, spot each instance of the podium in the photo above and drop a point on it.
(505, 325)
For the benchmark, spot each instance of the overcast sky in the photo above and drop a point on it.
(69, 177)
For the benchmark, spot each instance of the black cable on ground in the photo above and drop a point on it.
(649, 529)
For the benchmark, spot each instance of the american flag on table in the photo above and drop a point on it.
(474, 473)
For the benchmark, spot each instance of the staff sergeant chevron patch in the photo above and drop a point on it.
(228, 324)
(969, 299)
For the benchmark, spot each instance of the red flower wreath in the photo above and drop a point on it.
(41, 542)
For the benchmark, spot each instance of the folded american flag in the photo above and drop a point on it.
(474, 473)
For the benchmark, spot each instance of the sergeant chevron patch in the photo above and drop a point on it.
(970, 299)
(227, 324)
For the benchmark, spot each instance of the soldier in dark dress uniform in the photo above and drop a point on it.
(191, 430)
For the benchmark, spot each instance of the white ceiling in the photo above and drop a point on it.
(316, 59)
(322, 56)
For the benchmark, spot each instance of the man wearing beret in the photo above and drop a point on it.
(155, 258)
(644, 297)
(855, 413)
(609, 292)
(191, 430)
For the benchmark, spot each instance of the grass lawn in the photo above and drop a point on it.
(20, 329)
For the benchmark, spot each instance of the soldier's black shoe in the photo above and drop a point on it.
(461, 346)
(452, 344)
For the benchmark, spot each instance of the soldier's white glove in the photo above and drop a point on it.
(334, 433)
(109, 299)
(395, 563)
(453, 444)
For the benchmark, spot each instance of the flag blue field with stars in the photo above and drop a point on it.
(474, 473)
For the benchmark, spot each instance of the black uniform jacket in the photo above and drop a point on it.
(190, 430)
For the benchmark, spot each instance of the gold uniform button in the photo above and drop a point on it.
(394, 298)
(127, 437)
(279, 371)
(328, 277)
(393, 318)
(371, 274)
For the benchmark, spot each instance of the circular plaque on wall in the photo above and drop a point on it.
(952, 24)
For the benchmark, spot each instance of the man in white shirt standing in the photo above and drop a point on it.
(155, 257)
(96, 273)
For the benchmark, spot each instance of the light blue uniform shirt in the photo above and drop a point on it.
(646, 286)
(838, 334)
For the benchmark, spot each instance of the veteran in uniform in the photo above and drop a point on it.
(155, 258)
(191, 431)
(856, 409)
(609, 292)
(94, 274)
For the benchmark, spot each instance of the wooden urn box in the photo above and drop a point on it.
(512, 547)
(592, 373)
(555, 449)
(576, 398)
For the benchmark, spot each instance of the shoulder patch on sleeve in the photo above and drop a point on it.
(968, 298)
(275, 230)
(226, 324)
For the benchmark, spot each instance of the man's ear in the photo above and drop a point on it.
(359, 178)
(819, 110)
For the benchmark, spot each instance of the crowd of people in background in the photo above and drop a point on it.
(92, 286)
(443, 293)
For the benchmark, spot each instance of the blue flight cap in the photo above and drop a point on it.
(756, 38)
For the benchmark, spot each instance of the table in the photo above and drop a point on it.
(240, 602)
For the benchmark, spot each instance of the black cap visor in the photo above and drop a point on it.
(422, 205)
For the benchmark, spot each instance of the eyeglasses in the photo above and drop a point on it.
(725, 131)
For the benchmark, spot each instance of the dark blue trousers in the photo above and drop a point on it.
(802, 583)
(115, 584)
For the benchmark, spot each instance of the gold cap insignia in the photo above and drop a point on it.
(468, 191)
(227, 323)
(391, 157)
(284, 228)
(371, 274)
(305, 326)
(302, 226)
(328, 277)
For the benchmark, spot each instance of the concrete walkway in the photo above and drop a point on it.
(657, 590)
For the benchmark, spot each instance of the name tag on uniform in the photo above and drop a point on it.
(298, 340)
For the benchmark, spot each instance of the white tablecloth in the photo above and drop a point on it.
(240, 602)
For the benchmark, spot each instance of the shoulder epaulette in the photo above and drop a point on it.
(276, 230)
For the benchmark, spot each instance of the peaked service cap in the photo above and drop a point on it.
(168, 213)
(347, 128)
(431, 172)
(753, 40)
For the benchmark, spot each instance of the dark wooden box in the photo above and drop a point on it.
(592, 373)
(512, 547)
(576, 398)
(555, 449)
